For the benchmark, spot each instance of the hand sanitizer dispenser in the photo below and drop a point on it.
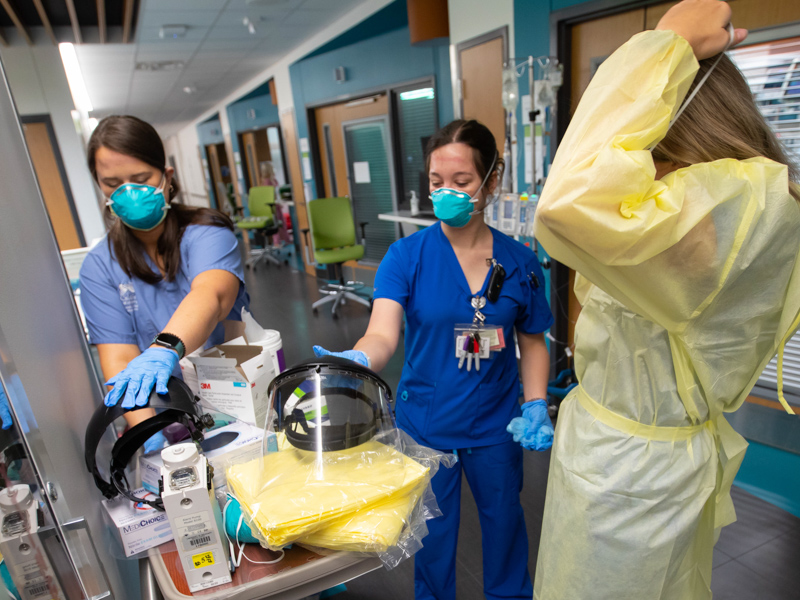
(414, 204)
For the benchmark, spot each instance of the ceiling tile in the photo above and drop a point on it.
(180, 5)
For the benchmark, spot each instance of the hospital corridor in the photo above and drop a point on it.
(399, 299)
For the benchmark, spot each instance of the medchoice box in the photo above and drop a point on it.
(138, 527)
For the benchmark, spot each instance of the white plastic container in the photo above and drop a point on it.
(414, 204)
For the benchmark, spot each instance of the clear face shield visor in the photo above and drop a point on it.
(329, 405)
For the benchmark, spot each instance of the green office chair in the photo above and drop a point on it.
(263, 219)
(333, 236)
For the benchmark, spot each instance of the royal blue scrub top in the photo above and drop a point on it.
(437, 403)
(125, 310)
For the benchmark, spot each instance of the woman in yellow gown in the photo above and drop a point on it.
(689, 279)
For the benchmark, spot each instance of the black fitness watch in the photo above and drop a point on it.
(173, 342)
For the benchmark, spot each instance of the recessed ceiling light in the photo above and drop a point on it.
(160, 65)
(249, 24)
(189, 89)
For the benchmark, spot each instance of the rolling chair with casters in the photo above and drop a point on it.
(333, 236)
(262, 219)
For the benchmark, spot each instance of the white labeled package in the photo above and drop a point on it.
(231, 444)
(234, 378)
(139, 527)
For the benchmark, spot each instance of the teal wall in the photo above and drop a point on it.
(382, 61)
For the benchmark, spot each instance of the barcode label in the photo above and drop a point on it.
(37, 591)
(199, 540)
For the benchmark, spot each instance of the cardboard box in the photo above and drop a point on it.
(138, 526)
(189, 374)
(228, 445)
(234, 378)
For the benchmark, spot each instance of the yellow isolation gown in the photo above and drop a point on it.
(688, 285)
(354, 499)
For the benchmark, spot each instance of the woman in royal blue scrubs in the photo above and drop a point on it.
(436, 277)
(165, 278)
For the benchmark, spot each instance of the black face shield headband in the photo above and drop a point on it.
(179, 405)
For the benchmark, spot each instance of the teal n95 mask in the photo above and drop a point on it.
(455, 208)
(139, 206)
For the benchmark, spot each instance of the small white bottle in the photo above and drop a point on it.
(414, 204)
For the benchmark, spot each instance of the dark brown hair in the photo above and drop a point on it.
(475, 135)
(138, 139)
(722, 121)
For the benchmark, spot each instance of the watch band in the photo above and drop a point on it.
(171, 341)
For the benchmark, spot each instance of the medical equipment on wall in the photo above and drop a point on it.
(508, 214)
(545, 76)
(179, 405)
(23, 551)
(194, 516)
(346, 478)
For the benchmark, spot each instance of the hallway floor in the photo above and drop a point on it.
(756, 558)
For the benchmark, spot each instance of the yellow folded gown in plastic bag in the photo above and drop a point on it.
(293, 492)
(372, 529)
(688, 284)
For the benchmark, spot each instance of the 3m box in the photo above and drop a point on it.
(234, 377)
(138, 526)
(228, 445)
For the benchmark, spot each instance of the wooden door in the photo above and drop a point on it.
(747, 14)
(330, 138)
(594, 41)
(289, 130)
(216, 177)
(481, 68)
(54, 188)
(251, 158)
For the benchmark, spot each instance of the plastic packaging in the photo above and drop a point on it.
(364, 499)
(343, 477)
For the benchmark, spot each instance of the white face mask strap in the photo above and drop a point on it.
(686, 102)
(225, 531)
(237, 559)
(475, 199)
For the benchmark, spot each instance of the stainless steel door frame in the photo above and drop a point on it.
(46, 366)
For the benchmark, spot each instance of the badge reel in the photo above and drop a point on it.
(479, 340)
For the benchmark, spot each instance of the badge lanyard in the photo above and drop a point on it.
(479, 340)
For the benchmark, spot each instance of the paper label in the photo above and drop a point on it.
(202, 560)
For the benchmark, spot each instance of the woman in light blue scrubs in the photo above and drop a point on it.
(438, 277)
(166, 279)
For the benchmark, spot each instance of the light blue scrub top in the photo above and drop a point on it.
(125, 310)
(437, 403)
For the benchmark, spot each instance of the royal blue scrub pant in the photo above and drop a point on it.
(494, 474)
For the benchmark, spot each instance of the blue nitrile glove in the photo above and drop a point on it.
(354, 355)
(533, 429)
(5, 410)
(156, 442)
(154, 366)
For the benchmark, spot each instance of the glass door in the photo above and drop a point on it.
(371, 179)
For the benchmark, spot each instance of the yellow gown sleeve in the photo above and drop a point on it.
(660, 247)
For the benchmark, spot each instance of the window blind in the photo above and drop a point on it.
(773, 72)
